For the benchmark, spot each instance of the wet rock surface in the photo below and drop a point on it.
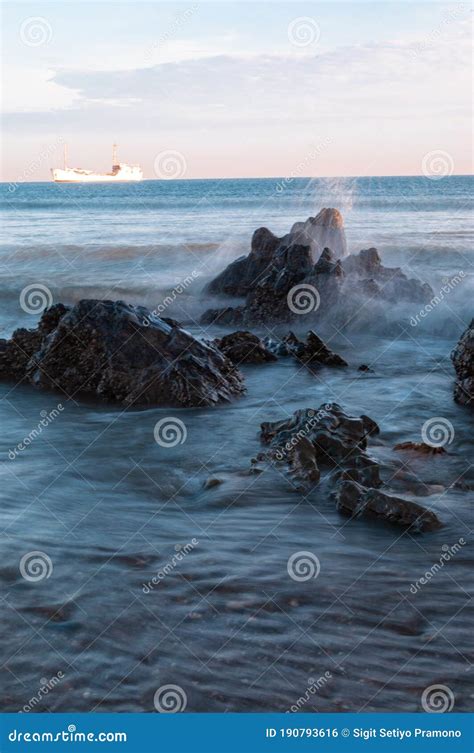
(119, 353)
(329, 440)
(280, 279)
(244, 347)
(463, 361)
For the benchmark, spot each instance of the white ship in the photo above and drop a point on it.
(120, 172)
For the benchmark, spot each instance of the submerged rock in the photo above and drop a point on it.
(463, 361)
(420, 447)
(327, 438)
(281, 281)
(120, 353)
(356, 501)
(244, 347)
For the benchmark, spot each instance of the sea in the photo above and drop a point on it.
(130, 565)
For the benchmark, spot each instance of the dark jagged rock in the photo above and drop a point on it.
(120, 353)
(364, 367)
(16, 353)
(463, 361)
(243, 273)
(387, 283)
(272, 277)
(244, 347)
(313, 351)
(330, 439)
(354, 500)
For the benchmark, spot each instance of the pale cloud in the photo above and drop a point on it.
(382, 105)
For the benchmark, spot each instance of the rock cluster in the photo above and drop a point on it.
(463, 361)
(121, 353)
(328, 439)
(312, 351)
(280, 279)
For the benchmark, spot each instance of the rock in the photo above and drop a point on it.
(354, 500)
(328, 438)
(324, 230)
(120, 353)
(463, 361)
(244, 273)
(281, 281)
(244, 347)
(211, 483)
(313, 351)
(387, 283)
(420, 447)
(364, 367)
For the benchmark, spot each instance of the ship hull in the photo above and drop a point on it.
(72, 176)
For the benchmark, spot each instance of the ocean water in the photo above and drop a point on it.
(111, 508)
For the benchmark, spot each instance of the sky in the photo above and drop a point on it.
(204, 90)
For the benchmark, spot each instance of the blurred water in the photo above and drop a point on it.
(111, 507)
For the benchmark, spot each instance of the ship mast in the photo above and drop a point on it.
(65, 156)
(114, 155)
